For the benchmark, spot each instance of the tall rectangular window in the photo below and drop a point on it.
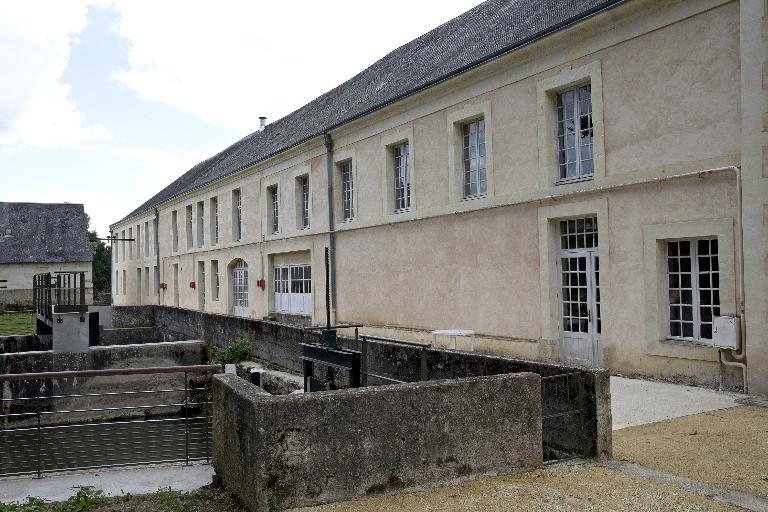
(274, 208)
(146, 239)
(200, 223)
(575, 134)
(302, 201)
(138, 241)
(130, 243)
(175, 230)
(147, 289)
(347, 190)
(237, 215)
(117, 282)
(190, 234)
(125, 286)
(214, 213)
(402, 176)
(473, 151)
(157, 280)
(201, 284)
(693, 281)
(215, 280)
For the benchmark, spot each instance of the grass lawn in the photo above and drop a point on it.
(17, 323)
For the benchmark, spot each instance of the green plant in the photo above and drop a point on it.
(238, 350)
(86, 498)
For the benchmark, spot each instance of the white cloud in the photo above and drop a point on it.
(229, 62)
(35, 108)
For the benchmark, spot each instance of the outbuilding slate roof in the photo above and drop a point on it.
(491, 29)
(43, 233)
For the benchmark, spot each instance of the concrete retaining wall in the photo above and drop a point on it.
(278, 452)
(24, 343)
(586, 433)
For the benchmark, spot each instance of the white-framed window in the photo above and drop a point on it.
(475, 180)
(190, 233)
(693, 285)
(293, 289)
(402, 176)
(302, 201)
(575, 134)
(215, 280)
(138, 241)
(147, 289)
(125, 286)
(200, 223)
(130, 243)
(274, 209)
(146, 239)
(347, 190)
(116, 288)
(175, 230)
(237, 215)
(201, 284)
(157, 280)
(214, 213)
(240, 288)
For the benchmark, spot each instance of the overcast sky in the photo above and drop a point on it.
(104, 103)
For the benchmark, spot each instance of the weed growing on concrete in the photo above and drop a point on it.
(238, 350)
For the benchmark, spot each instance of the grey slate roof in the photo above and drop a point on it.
(480, 34)
(43, 233)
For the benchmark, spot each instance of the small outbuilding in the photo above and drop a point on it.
(37, 238)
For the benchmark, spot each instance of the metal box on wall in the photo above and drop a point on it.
(726, 332)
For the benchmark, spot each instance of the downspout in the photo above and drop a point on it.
(738, 358)
(331, 239)
(157, 253)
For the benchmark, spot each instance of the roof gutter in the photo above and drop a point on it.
(498, 53)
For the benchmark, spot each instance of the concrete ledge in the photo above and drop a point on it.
(279, 452)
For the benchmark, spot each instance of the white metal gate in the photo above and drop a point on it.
(293, 289)
(579, 269)
(240, 289)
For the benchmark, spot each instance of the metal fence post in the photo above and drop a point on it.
(39, 437)
(207, 426)
(186, 419)
(364, 361)
(423, 368)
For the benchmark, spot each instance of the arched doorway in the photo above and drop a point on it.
(240, 288)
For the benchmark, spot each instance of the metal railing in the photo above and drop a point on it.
(62, 425)
(562, 415)
(63, 289)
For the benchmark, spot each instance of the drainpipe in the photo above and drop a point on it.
(738, 358)
(331, 241)
(157, 252)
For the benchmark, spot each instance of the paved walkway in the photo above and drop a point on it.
(637, 402)
(114, 482)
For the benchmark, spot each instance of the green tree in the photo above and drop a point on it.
(101, 271)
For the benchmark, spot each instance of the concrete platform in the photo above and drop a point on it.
(114, 482)
(637, 402)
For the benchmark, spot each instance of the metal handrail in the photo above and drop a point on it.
(396, 341)
(115, 371)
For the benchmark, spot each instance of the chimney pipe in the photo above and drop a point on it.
(262, 123)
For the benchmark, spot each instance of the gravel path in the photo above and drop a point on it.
(727, 448)
(557, 488)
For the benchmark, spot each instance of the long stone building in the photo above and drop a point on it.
(578, 181)
(38, 238)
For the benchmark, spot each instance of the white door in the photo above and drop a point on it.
(293, 289)
(579, 271)
(240, 289)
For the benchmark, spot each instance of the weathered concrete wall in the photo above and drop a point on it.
(130, 336)
(24, 343)
(133, 316)
(284, 452)
(588, 433)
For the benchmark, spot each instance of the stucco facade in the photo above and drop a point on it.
(679, 138)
